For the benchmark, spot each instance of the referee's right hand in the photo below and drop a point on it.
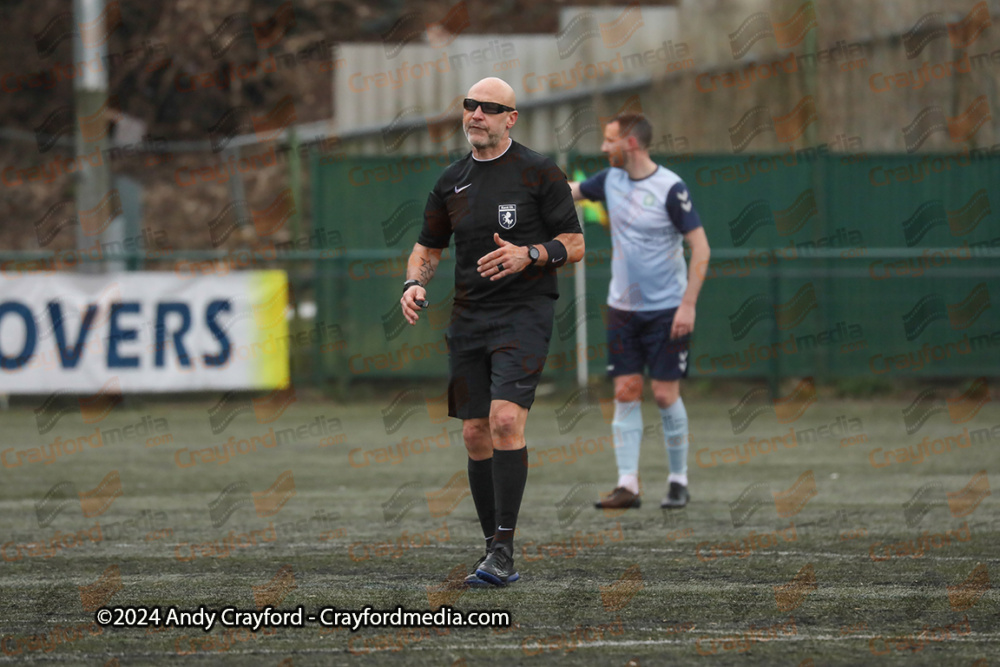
(409, 302)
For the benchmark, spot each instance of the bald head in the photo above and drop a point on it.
(492, 89)
(489, 133)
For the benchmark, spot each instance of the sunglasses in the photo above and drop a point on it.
(491, 108)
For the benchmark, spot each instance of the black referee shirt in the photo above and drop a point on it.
(521, 195)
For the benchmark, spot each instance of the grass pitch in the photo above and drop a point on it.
(805, 552)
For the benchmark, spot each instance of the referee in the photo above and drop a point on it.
(512, 216)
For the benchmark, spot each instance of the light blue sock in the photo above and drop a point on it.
(675, 433)
(627, 432)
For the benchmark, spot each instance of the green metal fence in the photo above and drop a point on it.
(824, 265)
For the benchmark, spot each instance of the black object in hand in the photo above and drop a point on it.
(423, 303)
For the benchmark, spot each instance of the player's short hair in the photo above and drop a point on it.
(635, 125)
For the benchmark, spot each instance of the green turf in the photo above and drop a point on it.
(670, 608)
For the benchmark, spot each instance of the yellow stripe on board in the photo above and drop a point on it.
(269, 299)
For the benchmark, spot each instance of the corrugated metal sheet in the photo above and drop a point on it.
(399, 94)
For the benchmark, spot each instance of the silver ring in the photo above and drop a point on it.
(499, 267)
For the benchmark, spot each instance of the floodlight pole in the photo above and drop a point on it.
(90, 95)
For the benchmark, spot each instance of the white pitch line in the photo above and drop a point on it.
(657, 642)
(759, 554)
(418, 645)
(974, 638)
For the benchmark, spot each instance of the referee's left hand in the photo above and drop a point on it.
(512, 258)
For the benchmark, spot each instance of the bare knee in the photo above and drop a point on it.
(506, 427)
(478, 441)
(628, 388)
(666, 393)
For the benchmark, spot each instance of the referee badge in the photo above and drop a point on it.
(508, 215)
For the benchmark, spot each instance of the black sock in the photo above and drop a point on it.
(510, 472)
(481, 486)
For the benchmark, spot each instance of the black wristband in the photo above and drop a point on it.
(556, 251)
(410, 283)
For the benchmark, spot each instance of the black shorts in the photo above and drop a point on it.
(641, 338)
(496, 353)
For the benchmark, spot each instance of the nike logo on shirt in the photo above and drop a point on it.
(459, 189)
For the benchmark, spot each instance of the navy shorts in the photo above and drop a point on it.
(496, 352)
(638, 339)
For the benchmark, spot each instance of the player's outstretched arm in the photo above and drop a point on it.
(700, 254)
(420, 267)
(574, 187)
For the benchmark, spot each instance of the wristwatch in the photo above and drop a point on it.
(410, 283)
(533, 254)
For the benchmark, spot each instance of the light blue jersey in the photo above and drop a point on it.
(649, 219)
